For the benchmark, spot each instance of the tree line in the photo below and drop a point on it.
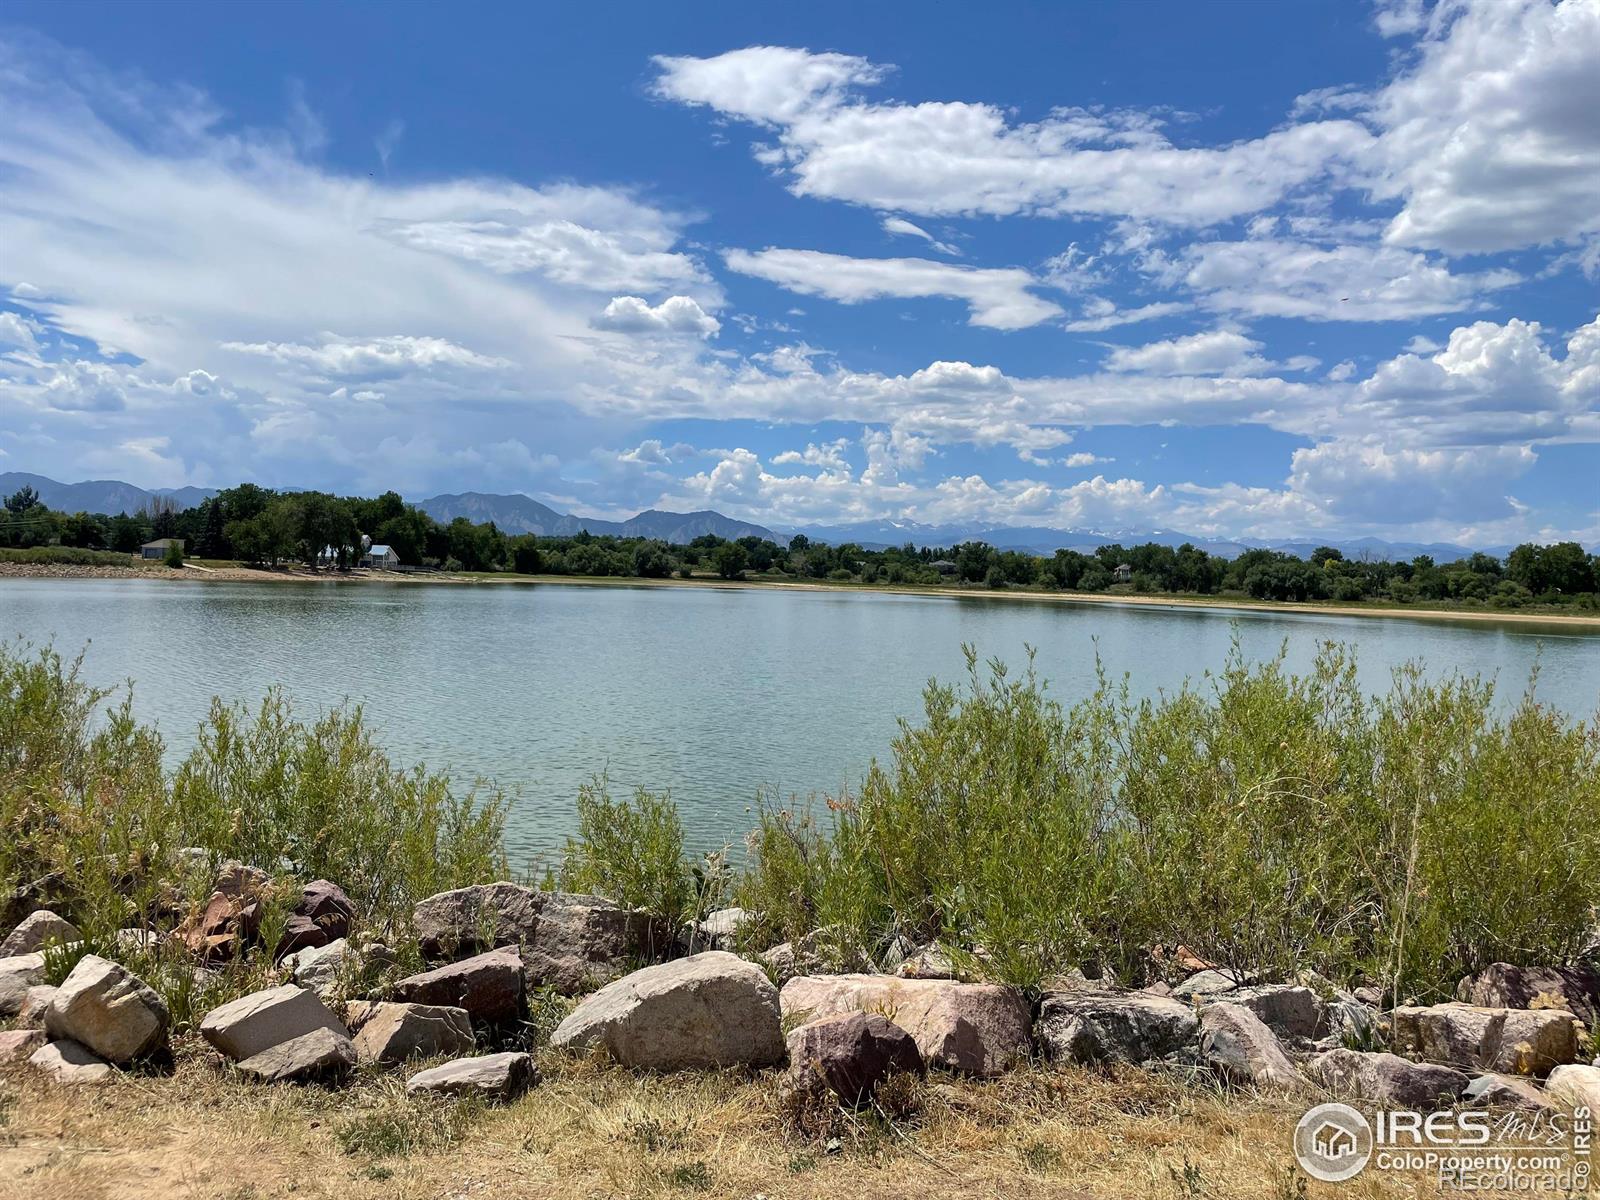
(257, 525)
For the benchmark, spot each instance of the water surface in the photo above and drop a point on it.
(709, 693)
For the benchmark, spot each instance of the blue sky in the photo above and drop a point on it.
(1237, 269)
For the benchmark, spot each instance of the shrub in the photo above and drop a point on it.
(630, 851)
(66, 555)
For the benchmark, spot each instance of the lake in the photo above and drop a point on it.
(712, 694)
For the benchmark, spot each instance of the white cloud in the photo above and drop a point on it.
(1350, 282)
(1100, 315)
(1490, 138)
(829, 454)
(1218, 352)
(17, 332)
(371, 357)
(900, 227)
(1084, 459)
(956, 158)
(998, 297)
(676, 314)
(1364, 482)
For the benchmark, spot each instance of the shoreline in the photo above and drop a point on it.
(195, 573)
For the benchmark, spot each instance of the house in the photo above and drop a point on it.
(944, 566)
(1123, 573)
(381, 558)
(158, 548)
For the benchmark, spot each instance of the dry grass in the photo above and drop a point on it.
(595, 1131)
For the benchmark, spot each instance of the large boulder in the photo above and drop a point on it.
(1501, 985)
(392, 1033)
(101, 1005)
(18, 974)
(243, 1028)
(66, 1061)
(1510, 1041)
(568, 941)
(708, 1010)
(721, 927)
(320, 967)
(850, 1054)
(1570, 1086)
(1238, 1046)
(18, 1044)
(317, 1053)
(1212, 982)
(1386, 1079)
(489, 986)
(1131, 1028)
(324, 914)
(36, 929)
(1289, 1010)
(1507, 1091)
(489, 1077)
(977, 1028)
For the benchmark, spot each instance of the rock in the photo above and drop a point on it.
(104, 1007)
(1372, 997)
(231, 916)
(36, 929)
(490, 1077)
(1349, 1021)
(1570, 1086)
(66, 1061)
(710, 1009)
(850, 1055)
(570, 942)
(34, 1005)
(18, 974)
(1510, 1041)
(931, 962)
(236, 879)
(1501, 985)
(1235, 1043)
(137, 941)
(1506, 1091)
(243, 1028)
(320, 967)
(323, 915)
(1386, 1079)
(1289, 1010)
(358, 1012)
(1213, 982)
(825, 951)
(977, 1028)
(319, 1052)
(1134, 1028)
(393, 1033)
(721, 927)
(489, 986)
(17, 1044)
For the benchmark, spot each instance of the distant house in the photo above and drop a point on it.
(158, 548)
(381, 558)
(944, 566)
(1123, 573)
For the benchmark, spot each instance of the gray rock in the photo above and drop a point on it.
(850, 1055)
(393, 1033)
(931, 962)
(1289, 1010)
(721, 926)
(1134, 1028)
(137, 940)
(34, 1006)
(1386, 1079)
(1506, 1091)
(107, 1009)
(825, 951)
(1501, 985)
(1570, 1086)
(317, 1053)
(320, 967)
(17, 1044)
(1212, 982)
(1240, 1048)
(1509, 1041)
(976, 1028)
(489, 986)
(490, 1077)
(67, 1062)
(17, 974)
(711, 1009)
(243, 1028)
(36, 929)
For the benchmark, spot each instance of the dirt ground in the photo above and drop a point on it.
(590, 1130)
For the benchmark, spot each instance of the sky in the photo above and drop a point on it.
(1246, 270)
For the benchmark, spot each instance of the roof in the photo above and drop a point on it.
(380, 551)
(161, 543)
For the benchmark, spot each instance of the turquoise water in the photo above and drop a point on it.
(712, 694)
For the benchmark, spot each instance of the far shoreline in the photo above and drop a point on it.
(195, 573)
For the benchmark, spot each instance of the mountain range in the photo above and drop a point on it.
(517, 513)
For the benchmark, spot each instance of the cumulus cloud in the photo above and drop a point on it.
(997, 297)
(675, 314)
(373, 357)
(1217, 352)
(951, 158)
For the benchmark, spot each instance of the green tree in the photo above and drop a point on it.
(729, 559)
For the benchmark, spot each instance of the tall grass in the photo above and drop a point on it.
(66, 555)
(94, 825)
(1267, 822)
